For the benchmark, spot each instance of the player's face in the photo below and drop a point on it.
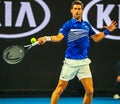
(77, 12)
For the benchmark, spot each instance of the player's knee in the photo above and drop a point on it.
(59, 91)
(89, 92)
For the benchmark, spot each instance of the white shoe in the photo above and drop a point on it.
(116, 96)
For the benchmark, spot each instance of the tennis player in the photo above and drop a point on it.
(77, 33)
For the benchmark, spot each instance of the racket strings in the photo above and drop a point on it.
(13, 54)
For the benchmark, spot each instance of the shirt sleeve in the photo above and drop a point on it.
(64, 29)
(91, 31)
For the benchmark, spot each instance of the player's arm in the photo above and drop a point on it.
(101, 35)
(98, 37)
(54, 38)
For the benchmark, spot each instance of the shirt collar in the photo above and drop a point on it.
(74, 20)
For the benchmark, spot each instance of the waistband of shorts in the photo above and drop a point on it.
(74, 62)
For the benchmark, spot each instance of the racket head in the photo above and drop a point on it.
(13, 54)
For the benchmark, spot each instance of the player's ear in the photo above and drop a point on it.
(71, 10)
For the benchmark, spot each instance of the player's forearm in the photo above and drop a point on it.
(98, 37)
(52, 39)
(55, 38)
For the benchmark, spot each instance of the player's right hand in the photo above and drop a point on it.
(41, 40)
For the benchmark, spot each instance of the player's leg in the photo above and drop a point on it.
(88, 86)
(67, 73)
(85, 76)
(58, 91)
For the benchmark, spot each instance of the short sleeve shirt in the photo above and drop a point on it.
(77, 38)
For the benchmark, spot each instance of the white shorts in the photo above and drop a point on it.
(72, 68)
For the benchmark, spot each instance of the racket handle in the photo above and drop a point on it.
(34, 44)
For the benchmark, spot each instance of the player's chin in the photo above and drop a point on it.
(77, 17)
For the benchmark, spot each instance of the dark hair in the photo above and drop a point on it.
(77, 2)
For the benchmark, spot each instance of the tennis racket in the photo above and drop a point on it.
(15, 53)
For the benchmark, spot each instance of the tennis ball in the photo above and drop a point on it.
(33, 40)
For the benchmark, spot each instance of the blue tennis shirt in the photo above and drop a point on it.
(77, 38)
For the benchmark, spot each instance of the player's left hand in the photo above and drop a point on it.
(112, 26)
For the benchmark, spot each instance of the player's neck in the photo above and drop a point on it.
(78, 19)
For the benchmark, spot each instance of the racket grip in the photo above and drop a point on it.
(34, 44)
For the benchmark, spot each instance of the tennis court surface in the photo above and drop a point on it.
(63, 100)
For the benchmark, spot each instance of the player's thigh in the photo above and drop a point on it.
(62, 84)
(87, 84)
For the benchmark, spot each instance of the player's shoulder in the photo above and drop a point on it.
(67, 23)
(86, 22)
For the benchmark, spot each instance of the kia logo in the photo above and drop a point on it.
(25, 11)
(103, 15)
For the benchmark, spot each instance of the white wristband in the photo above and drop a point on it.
(48, 38)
